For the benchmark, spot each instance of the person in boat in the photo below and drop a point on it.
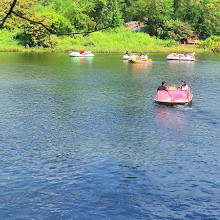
(144, 56)
(192, 55)
(187, 55)
(89, 51)
(126, 53)
(184, 86)
(162, 87)
(175, 54)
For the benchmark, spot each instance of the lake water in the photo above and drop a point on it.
(83, 139)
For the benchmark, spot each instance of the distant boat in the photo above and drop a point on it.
(82, 54)
(127, 57)
(181, 57)
(140, 60)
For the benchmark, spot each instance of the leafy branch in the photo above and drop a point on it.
(9, 13)
(51, 31)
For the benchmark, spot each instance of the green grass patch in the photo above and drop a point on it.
(117, 40)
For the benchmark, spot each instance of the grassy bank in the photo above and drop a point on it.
(116, 40)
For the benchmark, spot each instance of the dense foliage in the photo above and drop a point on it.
(200, 16)
(166, 19)
(212, 43)
(112, 40)
(59, 16)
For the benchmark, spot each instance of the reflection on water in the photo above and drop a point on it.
(186, 64)
(166, 117)
(81, 138)
(190, 63)
(138, 68)
(82, 60)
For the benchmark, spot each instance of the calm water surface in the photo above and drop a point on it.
(83, 139)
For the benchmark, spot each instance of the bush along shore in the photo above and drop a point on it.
(117, 40)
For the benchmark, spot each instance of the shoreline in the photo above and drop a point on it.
(153, 49)
(117, 40)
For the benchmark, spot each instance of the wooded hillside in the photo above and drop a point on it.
(34, 21)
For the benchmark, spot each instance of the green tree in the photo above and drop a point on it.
(212, 43)
(38, 19)
(176, 30)
(202, 15)
(153, 13)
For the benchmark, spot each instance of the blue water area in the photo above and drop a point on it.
(81, 138)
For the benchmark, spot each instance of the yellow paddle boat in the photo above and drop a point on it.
(140, 60)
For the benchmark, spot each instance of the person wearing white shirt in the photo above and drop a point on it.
(184, 86)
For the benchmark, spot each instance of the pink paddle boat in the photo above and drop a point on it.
(173, 96)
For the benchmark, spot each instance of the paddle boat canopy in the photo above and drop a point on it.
(82, 53)
(173, 95)
(181, 57)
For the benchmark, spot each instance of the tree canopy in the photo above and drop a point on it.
(200, 16)
(36, 20)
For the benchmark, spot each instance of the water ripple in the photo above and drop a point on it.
(82, 139)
